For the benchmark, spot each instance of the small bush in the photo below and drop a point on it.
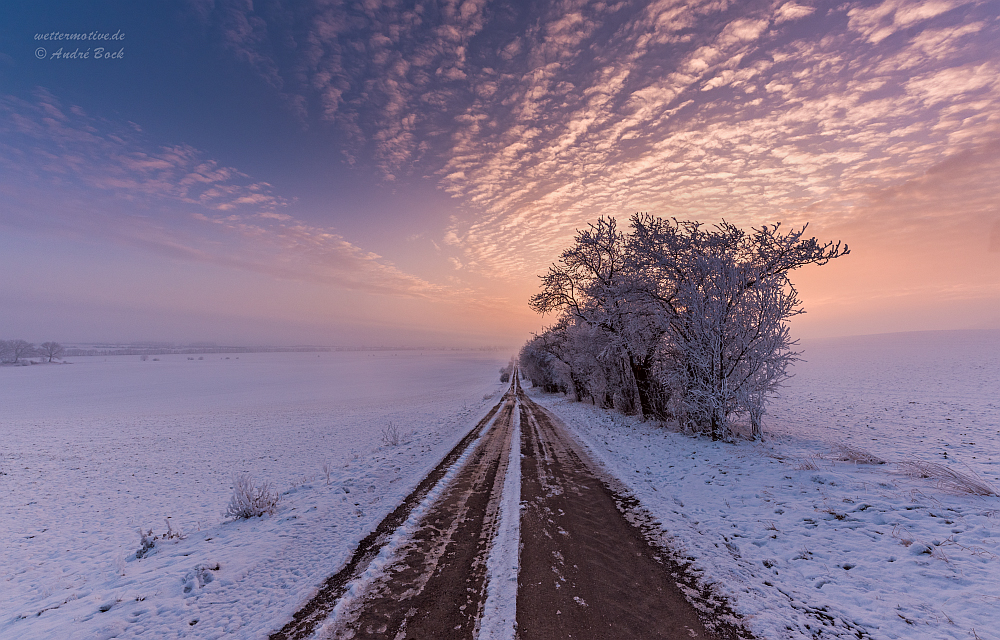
(391, 435)
(251, 500)
(146, 543)
(147, 540)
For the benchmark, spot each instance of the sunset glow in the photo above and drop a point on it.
(400, 173)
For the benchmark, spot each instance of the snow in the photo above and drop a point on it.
(499, 620)
(799, 540)
(94, 450)
(805, 544)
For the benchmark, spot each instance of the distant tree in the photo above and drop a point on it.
(52, 350)
(12, 351)
(543, 369)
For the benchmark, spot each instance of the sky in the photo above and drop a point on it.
(400, 173)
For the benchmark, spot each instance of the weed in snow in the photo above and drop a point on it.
(809, 464)
(147, 540)
(853, 454)
(251, 500)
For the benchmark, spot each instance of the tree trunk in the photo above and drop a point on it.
(641, 374)
(577, 385)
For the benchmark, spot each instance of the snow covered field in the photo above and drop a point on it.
(807, 545)
(94, 450)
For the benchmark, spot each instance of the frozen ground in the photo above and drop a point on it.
(95, 450)
(807, 545)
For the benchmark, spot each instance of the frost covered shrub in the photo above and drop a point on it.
(506, 371)
(146, 543)
(251, 500)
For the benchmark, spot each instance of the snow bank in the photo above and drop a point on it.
(804, 543)
(499, 620)
(95, 450)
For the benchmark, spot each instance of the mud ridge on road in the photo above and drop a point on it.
(434, 587)
(591, 562)
(306, 619)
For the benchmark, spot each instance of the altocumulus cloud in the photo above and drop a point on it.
(536, 117)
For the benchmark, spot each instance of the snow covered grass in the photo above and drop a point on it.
(809, 536)
(96, 450)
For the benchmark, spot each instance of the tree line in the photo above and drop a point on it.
(12, 351)
(673, 319)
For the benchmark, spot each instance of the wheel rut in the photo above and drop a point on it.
(436, 585)
(318, 608)
(585, 571)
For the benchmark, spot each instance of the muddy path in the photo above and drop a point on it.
(586, 572)
(589, 565)
(313, 613)
(435, 587)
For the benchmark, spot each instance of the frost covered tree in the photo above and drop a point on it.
(541, 367)
(592, 283)
(674, 318)
(51, 350)
(726, 297)
(12, 351)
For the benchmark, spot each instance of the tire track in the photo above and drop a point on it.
(587, 572)
(435, 587)
(314, 612)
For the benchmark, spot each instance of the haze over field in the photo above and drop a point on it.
(400, 172)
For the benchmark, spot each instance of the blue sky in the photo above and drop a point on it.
(400, 172)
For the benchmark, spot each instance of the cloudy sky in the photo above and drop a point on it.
(380, 172)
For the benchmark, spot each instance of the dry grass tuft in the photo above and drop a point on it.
(391, 435)
(947, 478)
(853, 454)
(809, 464)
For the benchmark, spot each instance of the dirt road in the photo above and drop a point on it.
(585, 571)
